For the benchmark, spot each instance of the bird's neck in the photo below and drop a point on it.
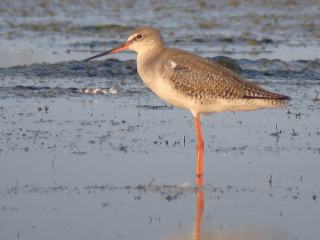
(147, 65)
(147, 55)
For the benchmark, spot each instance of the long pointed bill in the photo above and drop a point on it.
(120, 48)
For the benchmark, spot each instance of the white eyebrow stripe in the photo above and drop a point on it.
(173, 64)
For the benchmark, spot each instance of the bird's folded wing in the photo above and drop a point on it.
(198, 78)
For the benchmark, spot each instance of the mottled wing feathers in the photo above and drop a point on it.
(201, 79)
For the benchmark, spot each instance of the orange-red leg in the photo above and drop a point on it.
(199, 173)
(200, 145)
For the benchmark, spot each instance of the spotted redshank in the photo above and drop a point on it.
(189, 81)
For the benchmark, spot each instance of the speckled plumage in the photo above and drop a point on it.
(201, 79)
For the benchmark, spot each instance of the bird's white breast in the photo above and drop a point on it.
(161, 87)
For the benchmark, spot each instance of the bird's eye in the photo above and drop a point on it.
(139, 37)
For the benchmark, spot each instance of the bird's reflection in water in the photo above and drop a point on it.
(199, 210)
(242, 233)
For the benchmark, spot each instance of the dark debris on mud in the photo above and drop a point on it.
(167, 192)
(73, 69)
(304, 69)
(298, 69)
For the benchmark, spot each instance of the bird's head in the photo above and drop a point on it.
(140, 40)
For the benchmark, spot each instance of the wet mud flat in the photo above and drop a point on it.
(87, 151)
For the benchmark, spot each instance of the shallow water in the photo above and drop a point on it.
(88, 152)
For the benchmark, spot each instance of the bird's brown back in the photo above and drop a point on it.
(201, 79)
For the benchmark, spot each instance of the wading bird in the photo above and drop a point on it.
(189, 81)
